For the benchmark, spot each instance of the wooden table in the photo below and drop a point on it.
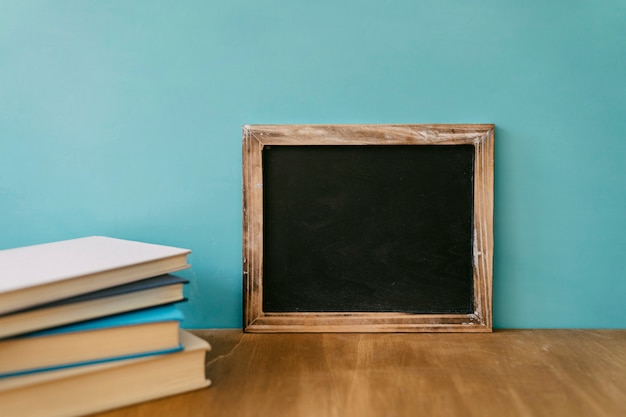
(507, 373)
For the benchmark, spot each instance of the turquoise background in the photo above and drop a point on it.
(123, 118)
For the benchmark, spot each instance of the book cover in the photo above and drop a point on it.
(138, 333)
(37, 274)
(93, 388)
(163, 289)
(141, 285)
(148, 315)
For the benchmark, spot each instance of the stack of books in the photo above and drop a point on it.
(91, 324)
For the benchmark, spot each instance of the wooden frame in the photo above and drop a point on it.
(255, 137)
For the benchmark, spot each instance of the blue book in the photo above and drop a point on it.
(145, 332)
(150, 292)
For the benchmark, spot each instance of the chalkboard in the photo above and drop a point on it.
(368, 227)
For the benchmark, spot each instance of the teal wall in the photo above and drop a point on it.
(123, 118)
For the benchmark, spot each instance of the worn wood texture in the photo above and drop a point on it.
(523, 373)
(255, 137)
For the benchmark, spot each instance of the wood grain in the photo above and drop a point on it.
(523, 373)
(256, 137)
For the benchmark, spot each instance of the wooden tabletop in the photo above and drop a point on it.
(507, 373)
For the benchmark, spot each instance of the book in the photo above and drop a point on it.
(89, 389)
(145, 332)
(37, 274)
(149, 292)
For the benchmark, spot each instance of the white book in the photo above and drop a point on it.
(38, 274)
(94, 388)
